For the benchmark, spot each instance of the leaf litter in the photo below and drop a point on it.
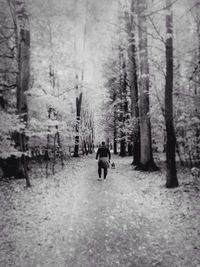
(71, 219)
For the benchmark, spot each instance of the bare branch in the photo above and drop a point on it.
(156, 30)
(161, 9)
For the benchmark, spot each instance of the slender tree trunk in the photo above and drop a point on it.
(78, 118)
(90, 145)
(60, 147)
(22, 87)
(54, 154)
(172, 180)
(90, 136)
(179, 155)
(123, 107)
(130, 148)
(146, 157)
(198, 91)
(22, 43)
(115, 125)
(115, 136)
(133, 83)
(47, 156)
(115, 144)
(85, 147)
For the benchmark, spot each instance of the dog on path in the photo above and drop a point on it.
(112, 165)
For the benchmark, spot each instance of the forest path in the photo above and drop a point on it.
(72, 219)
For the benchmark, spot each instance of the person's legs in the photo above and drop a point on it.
(99, 168)
(105, 172)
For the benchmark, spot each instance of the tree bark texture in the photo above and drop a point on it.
(146, 158)
(114, 124)
(22, 42)
(78, 117)
(24, 71)
(171, 177)
(22, 87)
(124, 106)
(133, 81)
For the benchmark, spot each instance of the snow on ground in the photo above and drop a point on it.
(73, 220)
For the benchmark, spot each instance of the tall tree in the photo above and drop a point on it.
(172, 180)
(23, 77)
(133, 80)
(18, 11)
(196, 76)
(123, 101)
(78, 117)
(115, 124)
(146, 158)
(112, 116)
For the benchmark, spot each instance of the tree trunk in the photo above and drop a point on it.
(85, 147)
(171, 177)
(146, 157)
(115, 142)
(22, 87)
(133, 83)
(54, 154)
(90, 136)
(78, 117)
(22, 43)
(130, 149)
(90, 145)
(124, 106)
(60, 147)
(122, 146)
(47, 157)
(115, 125)
(198, 91)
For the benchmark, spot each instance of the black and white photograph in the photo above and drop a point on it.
(99, 133)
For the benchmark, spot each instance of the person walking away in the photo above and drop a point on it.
(104, 156)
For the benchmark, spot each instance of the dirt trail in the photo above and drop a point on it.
(75, 220)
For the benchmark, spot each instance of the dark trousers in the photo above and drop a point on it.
(101, 166)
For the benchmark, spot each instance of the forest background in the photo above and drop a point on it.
(73, 73)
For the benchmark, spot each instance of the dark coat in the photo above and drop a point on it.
(103, 152)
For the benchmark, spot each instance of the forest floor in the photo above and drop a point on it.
(73, 220)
